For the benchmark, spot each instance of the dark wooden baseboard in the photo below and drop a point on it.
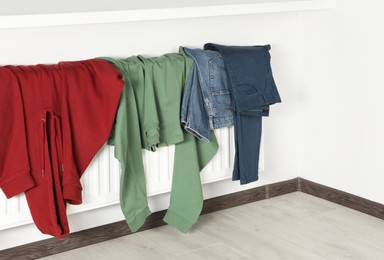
(247, 196)
(342, 198)
(114, 230)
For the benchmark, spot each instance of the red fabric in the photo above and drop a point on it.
(54, 119)
(14, 163)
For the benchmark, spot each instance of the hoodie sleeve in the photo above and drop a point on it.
(92, 93)
(15, 174)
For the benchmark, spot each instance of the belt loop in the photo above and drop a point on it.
(265, 100)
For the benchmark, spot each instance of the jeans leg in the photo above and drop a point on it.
(236, 166)
(248, 140)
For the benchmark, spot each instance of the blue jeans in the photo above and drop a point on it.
(253, 90)
(207, 102)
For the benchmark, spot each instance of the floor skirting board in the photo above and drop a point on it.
(99, 234)
(342, 198)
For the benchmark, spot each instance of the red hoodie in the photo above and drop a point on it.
(53, 120)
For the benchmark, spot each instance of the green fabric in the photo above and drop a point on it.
(127, 140)
(164, 80)
(191, 156)
(149, 117)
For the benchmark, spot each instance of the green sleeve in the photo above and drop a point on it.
(128, 151)
(191, 156)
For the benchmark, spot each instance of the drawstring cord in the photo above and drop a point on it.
(55, 127)
(59, 143)
(43, 148)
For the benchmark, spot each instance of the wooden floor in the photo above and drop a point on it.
(293, 226)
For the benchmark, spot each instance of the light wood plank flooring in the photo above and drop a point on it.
(293, 226)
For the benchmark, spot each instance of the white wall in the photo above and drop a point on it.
(281, 132)
(328, 67)
(342, 126)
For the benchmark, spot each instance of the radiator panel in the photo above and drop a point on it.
(101, 179)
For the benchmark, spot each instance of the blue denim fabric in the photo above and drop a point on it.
(253, 90)
(207, 101)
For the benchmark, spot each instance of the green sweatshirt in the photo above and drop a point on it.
(148, 117)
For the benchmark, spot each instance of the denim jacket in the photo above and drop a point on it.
(207, 102)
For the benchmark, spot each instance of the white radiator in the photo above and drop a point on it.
(101, 179)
